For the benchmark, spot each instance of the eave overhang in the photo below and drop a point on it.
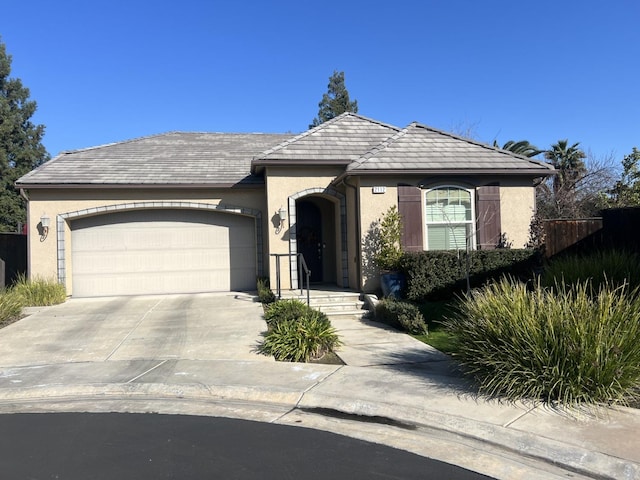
(521, 172)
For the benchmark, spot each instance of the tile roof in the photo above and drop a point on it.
(363, 146)
(174, 158)
(421, 148)
(340, 140)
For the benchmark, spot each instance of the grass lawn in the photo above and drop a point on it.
(434, 313)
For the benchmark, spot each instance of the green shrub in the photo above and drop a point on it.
(307, 337)
(10, 306)
(614, 267)
(388, 249)
(286, 310)
(39, 291)
(564, 345)
(401, 315)
(437, 275)
(265, 294)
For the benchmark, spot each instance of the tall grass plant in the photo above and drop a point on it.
(39, 291)
(565, 345)
(10, 306)
(612, 267)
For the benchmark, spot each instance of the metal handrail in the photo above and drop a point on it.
(302, 265)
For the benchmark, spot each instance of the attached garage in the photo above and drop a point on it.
(156, 251)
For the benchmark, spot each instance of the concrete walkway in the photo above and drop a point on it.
(195, 354)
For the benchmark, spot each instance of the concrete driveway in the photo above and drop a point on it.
(219, 326)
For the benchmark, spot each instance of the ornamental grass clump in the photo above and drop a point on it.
(10, 306)
(39, 292)
(297, 332)
(613, 267)
(565, 345)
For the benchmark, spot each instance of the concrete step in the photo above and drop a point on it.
(333, 303)
(338, 306)
(350, 315)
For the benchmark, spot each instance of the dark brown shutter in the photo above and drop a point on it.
(410, 208)
(488, 216)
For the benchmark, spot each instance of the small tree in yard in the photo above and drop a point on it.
(21, 149)
(389, 250)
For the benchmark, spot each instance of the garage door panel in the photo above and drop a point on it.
(162, 251)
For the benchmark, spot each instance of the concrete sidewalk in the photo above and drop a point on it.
(408, 394)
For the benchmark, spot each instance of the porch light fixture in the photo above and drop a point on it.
(44, 224)
(282, 215)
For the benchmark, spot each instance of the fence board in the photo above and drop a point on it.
(13, 251)
(567, 233)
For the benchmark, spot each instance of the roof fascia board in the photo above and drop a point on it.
(147, 186)
(481, 172)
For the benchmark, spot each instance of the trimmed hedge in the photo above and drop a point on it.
(440, 275)
(401, 315)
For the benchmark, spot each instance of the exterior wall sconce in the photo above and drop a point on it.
(282, 215)
(44, 226)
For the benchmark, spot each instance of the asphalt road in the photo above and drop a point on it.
(88, 446)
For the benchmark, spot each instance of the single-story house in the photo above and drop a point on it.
(193, 212)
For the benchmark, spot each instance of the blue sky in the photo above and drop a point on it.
(106, 71)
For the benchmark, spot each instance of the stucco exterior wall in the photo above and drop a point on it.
(517, 206)
(282, 183)
(372, 207)
(43, 254)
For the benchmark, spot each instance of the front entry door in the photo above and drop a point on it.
(309, 237)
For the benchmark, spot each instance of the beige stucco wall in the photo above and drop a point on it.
(43, 258)
(517, 206)
(372, 207)
(281, 184)
(363, 208)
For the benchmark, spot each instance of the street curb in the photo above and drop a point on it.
(558, 454)
(569, 457)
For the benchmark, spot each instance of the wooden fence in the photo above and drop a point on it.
(618, 228)
(13, 257)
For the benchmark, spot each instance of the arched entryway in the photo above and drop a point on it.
(313, 235)
(318, 232)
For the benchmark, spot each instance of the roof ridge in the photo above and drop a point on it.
(111, 144)
(155, 135)
(482, 145)
(381, 146)
(317, 128)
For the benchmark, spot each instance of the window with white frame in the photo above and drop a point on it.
(449, 218)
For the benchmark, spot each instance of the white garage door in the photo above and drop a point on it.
(162, 251)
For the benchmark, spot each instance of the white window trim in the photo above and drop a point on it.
(470, 240)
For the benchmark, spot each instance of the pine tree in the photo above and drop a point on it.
(335, 101)
(21, 149)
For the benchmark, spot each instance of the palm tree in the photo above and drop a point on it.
(568, 162)
(522, 147)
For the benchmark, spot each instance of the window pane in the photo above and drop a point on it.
(447, 237)
(448, 218)
(458, 237)
(437, 237)
(435, 213)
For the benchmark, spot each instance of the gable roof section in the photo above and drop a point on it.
(421, 149)
(338, 141)
(170, 159)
